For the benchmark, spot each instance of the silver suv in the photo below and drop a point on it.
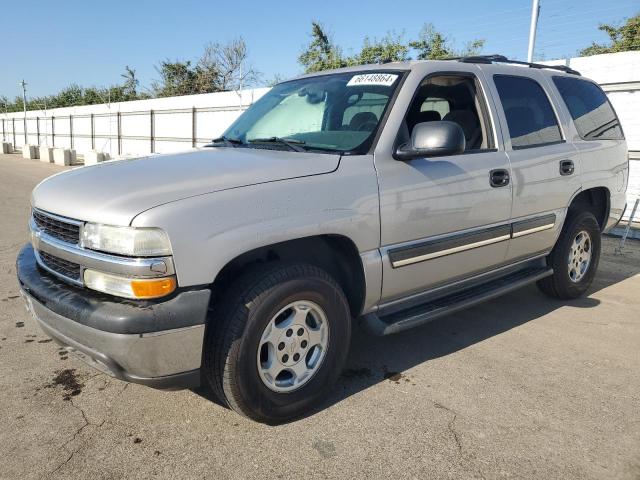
(386, 194)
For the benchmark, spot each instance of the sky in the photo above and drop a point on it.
(52, 44)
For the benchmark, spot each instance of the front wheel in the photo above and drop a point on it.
(278, 341)
(574, 258)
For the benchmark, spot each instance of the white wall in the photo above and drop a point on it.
(172, 120)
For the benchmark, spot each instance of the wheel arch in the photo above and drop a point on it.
(597, 200)
(336, 254)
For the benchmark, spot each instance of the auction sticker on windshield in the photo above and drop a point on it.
(384, 79)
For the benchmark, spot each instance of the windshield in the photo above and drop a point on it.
(335, 113)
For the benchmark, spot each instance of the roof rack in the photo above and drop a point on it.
(488, 59)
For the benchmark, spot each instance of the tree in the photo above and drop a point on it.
(434, 45)
(224, 67)
(176, 78)
(622, 39)
(69, 96)
(221, 67)
(131, 83)
(390, 49)
(321, 53)
(274, 80)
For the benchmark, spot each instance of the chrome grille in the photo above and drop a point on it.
(62, 267)
(57, 228)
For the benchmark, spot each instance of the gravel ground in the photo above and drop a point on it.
(519, 387)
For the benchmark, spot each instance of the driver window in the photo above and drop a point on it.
(452, 98)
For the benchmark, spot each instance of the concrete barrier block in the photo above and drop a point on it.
(7, 147)
(62, 156)
(46, 154)
(92, 157)
(30, 152)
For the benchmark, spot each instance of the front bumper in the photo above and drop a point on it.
(155, 343)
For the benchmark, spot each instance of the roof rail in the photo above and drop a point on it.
(487, 59)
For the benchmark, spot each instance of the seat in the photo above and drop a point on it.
(419, 117)
(469, 124)
(363, 122)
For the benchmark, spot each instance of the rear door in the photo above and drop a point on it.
(545, 166)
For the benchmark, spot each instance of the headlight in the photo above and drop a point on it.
(139, 288)
(130, 241)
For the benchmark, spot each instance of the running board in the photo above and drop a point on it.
(424, 313)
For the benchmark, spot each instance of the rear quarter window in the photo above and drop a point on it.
(590, 109)
(530, 116)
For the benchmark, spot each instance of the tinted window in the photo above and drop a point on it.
(530, 117)
(590, 109)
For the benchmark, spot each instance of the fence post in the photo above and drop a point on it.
(53, 131)
(93, 132)
(152, 131)
(119, 123)
(71, 131)
(13, 128)
(193, 127)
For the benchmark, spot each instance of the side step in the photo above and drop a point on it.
(424, 313)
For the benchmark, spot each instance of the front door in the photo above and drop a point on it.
(444, 218)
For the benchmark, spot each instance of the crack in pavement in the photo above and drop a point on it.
(74, 437)
(86, 424)
(450, 425)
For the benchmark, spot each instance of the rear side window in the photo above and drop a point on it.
(590, 109)
(530, 117)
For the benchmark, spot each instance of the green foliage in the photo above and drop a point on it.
(622, 39)
(176, 78)
(390, 49)
(131, 82)
(323, 54)
(434, 45)
(221, 67)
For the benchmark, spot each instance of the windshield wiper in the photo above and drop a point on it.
(228, 141)
(292, 143)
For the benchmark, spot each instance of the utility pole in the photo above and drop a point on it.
(535, 12)
(23, 84)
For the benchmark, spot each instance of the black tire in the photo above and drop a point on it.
(560, 285)
(232, 340)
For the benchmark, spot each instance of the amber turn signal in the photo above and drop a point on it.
(153, 288)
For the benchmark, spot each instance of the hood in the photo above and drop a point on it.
(115, 192)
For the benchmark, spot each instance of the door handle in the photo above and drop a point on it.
(499, 177)
(567, 167)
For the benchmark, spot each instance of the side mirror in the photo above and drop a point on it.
(432, 139)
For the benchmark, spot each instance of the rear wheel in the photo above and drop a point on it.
(574, 258)
(278, 341)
